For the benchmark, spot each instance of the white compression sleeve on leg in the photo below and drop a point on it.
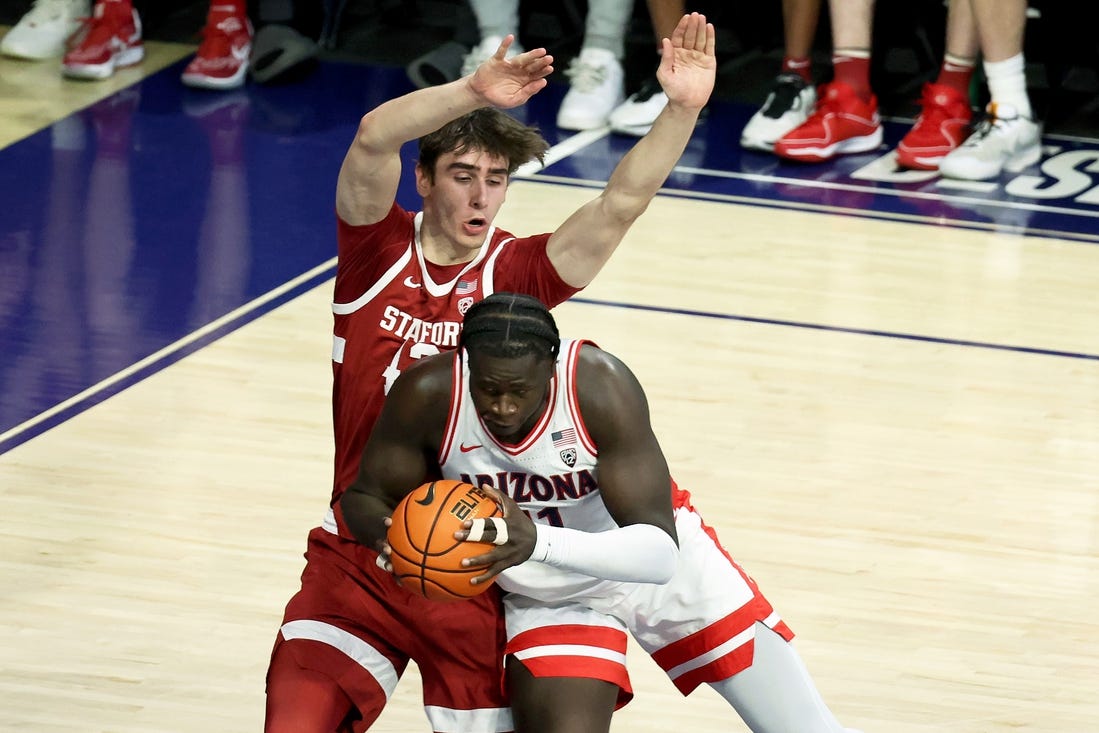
(638, 553)
(776, 693)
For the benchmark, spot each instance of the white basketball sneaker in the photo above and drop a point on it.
(637, 114)
(41, 33)
(596, 87)
(484, 50)
(787, 107)
(1005, 139)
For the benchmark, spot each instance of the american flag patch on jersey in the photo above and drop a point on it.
(465, 287)
(563, 437)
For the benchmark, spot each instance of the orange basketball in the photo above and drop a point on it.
(425, 556)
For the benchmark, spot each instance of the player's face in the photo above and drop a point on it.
(467, 192)
(509, 394)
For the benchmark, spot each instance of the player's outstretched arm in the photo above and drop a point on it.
(688, 68)
(371, 169)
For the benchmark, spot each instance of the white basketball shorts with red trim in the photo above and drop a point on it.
(699, 627)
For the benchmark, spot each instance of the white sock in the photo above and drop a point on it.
(1007, 83)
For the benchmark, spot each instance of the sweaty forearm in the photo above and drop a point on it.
(638, 553)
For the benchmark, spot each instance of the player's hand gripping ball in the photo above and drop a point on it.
(426, 558)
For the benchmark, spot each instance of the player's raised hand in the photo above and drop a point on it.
(688, 63)
(505, 83)
(514, 541)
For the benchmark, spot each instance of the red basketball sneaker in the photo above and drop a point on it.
(840, 123)
(943, 125)
(222, 59)
(110, 40)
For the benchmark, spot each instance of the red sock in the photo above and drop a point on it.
(853, 69)
(957, 73)
(802, 66)
(240, 7)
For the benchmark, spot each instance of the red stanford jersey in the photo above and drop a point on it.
(392, 307)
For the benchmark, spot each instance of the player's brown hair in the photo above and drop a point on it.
(488, 129)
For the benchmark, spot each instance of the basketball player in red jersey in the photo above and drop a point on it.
(597, 544)
(403, 283)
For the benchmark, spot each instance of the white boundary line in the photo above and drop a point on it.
(583, 139)
(562, 150)
(166, 351)
(894, 192)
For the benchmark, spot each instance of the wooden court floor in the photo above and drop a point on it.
(894, 427)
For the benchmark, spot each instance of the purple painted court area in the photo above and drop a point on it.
(157, 211)
(145, 218)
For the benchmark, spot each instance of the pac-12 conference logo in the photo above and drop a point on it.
(565, 442)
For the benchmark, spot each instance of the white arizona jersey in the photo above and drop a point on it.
(699, 627)
(551, 474)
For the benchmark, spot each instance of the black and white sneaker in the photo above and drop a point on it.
(636, 115)
(787, 106)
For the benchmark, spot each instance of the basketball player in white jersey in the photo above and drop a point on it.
(595, 540)
(403, 283)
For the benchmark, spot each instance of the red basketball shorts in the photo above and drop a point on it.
(352, 622)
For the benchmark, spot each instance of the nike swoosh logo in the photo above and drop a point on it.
(467, 448)
(410, 283)
(426, 501)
